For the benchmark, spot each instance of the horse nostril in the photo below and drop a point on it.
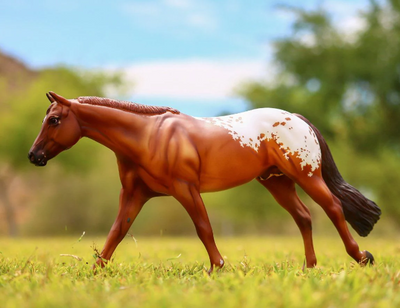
(31, 157)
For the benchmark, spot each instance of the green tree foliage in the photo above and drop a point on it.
(348, 85)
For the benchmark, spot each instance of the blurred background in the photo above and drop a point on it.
(335, 62)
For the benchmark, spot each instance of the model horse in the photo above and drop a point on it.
(161, 151)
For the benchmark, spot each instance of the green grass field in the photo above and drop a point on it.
(170, 272)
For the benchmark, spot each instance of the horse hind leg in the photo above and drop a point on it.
(283, 190)
(316, 188)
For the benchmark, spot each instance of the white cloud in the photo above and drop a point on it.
(194, 78)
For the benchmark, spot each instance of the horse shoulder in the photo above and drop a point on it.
(183, 145)
(172, 152)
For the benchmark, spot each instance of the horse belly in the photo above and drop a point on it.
(229, 165)
(225, 179)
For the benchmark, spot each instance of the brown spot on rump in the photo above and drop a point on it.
(279, 123)
(288, 119)
(261, 136)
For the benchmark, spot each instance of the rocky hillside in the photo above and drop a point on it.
(14, 76)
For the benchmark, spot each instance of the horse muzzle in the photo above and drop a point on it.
(37, 160)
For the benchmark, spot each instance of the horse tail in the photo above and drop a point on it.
(360, 212)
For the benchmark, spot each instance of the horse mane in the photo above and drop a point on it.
(125, 106)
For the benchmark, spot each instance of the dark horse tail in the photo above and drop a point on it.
(360, 212)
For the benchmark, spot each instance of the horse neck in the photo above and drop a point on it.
(118, 130)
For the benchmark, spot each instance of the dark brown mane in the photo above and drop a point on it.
(125, 106)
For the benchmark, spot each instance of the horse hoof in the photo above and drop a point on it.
(368, 259)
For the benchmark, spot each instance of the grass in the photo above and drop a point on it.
(170, 272)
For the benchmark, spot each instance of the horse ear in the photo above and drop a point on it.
(60, 99)
(51, 99)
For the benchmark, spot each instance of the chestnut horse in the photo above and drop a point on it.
(161, 151)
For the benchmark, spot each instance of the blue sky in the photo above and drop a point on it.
(189, 54)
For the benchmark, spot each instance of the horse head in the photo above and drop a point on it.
(60, 131)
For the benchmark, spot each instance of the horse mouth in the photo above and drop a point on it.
(41, 163)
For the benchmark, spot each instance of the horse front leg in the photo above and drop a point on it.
(130, 203)
(189, 196)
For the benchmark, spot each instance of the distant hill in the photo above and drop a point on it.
(14, 76)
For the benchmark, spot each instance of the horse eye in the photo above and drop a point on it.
(54, 121)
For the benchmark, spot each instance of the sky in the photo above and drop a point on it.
(192, 55)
